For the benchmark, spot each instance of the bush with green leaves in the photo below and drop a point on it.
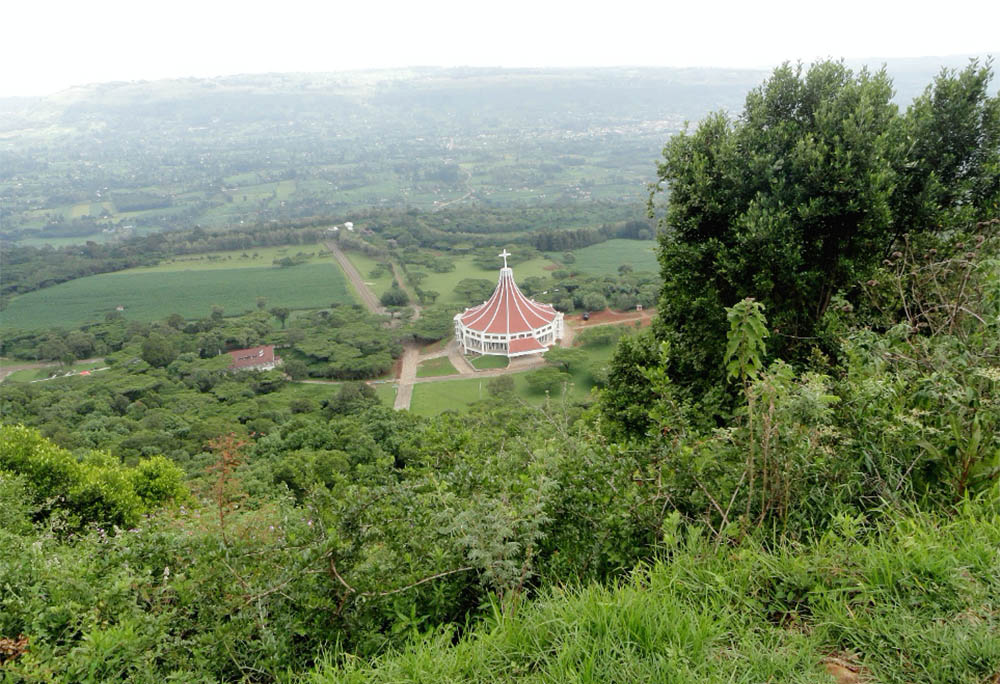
(96, 489)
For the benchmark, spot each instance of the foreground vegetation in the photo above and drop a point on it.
(907, 601)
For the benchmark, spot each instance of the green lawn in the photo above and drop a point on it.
(431, 398)
(436, 367)
(386, 393)
(606, 257)
(256, 257)
(365, 265)
(149, 296)
(488, 361)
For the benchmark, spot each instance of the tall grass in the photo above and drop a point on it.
(916, 600)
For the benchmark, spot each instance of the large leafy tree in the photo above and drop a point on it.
(803, 194)
(952, 172)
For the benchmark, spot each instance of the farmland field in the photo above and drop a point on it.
(149, 296)
(606, 257)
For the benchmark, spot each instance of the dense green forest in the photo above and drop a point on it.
(792, 475)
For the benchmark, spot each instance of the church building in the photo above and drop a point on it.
(508, 323)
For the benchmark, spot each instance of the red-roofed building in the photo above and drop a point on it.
(255, 358)
(508, 323)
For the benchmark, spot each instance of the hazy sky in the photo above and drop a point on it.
(49, 45)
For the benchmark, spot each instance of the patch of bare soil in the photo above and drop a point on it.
(844, 670)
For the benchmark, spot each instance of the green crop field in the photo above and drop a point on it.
(90, 209)
(606, 257)
(152, 296)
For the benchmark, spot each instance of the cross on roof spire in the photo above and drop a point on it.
(504, 254)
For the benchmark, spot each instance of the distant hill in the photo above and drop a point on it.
(101, 160)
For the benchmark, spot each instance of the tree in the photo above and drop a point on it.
(281, 313)
(435, 323)
(546, 380)
(594, 301)
(788, 204)
(56, 349)
(501, 385)
(352, 397)
(472, 291)
(394, 296)
(81, 344)
(628, 395)
(950, 175)
(158, 351)
(566, 358)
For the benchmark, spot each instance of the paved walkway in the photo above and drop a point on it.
(458, 359)
(407, 375)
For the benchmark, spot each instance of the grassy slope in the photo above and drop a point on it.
(915, 601)
(153, 296)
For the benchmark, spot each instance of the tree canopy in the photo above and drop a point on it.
(803, 194)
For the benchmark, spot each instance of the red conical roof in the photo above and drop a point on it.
(508, 311)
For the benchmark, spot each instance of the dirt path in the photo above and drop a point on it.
(368, 297)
